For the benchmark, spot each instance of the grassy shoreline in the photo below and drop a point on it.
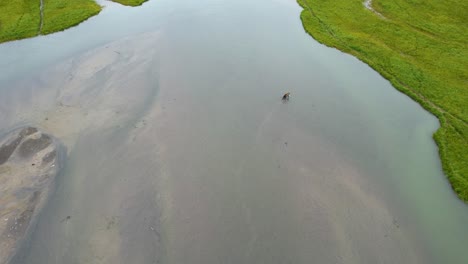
(21, 19)
(130, 2)
(421, 48)
(60, 15)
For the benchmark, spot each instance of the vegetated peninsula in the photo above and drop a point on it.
(130, 2)
(421, 47)
(29, 18)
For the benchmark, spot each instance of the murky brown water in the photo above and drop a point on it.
(181, 151)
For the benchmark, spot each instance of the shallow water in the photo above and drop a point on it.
(180, 150)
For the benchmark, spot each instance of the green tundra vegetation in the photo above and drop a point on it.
(130, 2)
(421, 47)
(19, 19)
(22, 18)
(62, 14)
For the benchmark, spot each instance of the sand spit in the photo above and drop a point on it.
(30, 160)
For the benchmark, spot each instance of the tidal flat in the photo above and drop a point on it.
(180, 149)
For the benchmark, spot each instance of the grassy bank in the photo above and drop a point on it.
(19, 19)
(22, 18)
(421, 47)
(130, 2)
(62, 14)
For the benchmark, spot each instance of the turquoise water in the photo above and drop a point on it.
(181, 151)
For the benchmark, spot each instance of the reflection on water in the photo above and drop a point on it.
(181, 151)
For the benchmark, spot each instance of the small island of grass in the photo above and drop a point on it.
(130, 2)
(421, 47)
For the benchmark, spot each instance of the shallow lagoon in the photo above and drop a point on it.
(181, 151)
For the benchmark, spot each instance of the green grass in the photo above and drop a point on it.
(62, 14)
(18, 19)
(130, 2)
(21, 18)
(421, 47)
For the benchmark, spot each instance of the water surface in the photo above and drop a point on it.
(181, 151)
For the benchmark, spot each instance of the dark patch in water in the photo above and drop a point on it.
(28, 131)
(7, 150)
(49, 157)
(32, 146)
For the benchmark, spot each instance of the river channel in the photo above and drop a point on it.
(180, 149)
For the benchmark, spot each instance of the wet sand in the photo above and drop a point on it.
(153, 175)
(90, 101)
(30, 161)
(181, 151)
